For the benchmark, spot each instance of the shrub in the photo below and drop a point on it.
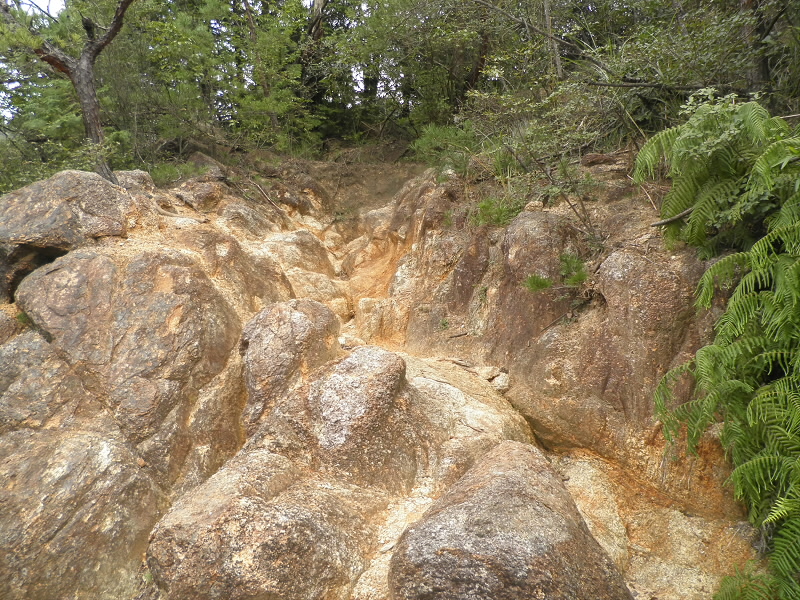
(165, 174)
(497, 211)
(536, 283)
(573, 270)
(446, 146)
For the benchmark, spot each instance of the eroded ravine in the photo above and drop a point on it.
(318, 388)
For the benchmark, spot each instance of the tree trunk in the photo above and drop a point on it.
(82, 77)
(759, 73)
(259, 72)
(556, 55)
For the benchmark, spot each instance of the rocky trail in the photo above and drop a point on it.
(327, 384)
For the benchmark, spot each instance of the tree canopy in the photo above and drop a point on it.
(548, 75)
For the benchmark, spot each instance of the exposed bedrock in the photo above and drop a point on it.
(266, 393)
(313, 493)
(583, 362)
(507, 530)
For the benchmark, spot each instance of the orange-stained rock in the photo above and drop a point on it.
(507, 530)
(67, 211)
(281, 345)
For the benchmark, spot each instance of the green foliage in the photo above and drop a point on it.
(447, 146)
(748, 584)
(25, 162)
(166, 174)
(723, 165)
(251, 75)
(572, 273)
(738, 168)
(537, 283)
(573, 269)
(498, 211)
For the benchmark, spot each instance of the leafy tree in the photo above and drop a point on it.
(80, 70)
(536, 79)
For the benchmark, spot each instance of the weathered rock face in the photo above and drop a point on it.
(66, 211)
(583, 362)
(300, 249)
(507, 530)
(257, 530)
(139, 417)
(70, 484)
(352, 420)
(663, 550)
(147, 333)
(281, 344)
(300, 511)
(126, 389)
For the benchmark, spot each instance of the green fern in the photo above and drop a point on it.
(748, 584)
(738, 170)
(725, 162)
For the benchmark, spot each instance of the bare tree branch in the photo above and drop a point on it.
(113, 29)
(677, 217)
(772, 23)
(632, 84)
(43, 11)
(47, 52)
(530, 27)
(80, 70)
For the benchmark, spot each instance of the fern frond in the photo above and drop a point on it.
(739, 172)
(721, 274)
(681, 197)
(741, 312)
(704, 209)
(761, 474)
(657, 147)
(784, 508)
(664, 399)
(754, 282)
(788, 214)
(785, 558)
(755, 122)
(780, 440)
(737, 352)
(772, 405)
(787, 588)
(698, 414)
(777, 128)
(747, 584)
(766, 361)
(774, 158)
(788, 386)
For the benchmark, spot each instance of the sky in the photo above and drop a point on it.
(51, 6)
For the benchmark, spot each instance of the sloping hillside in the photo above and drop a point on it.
(326, 380)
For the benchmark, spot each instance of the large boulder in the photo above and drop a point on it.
(257, 529)
(507, 530)
(324, 481)
(300, 249)
(76, 507)
(353, 420)
(67, 211)
(281, 344)
(147, 331)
